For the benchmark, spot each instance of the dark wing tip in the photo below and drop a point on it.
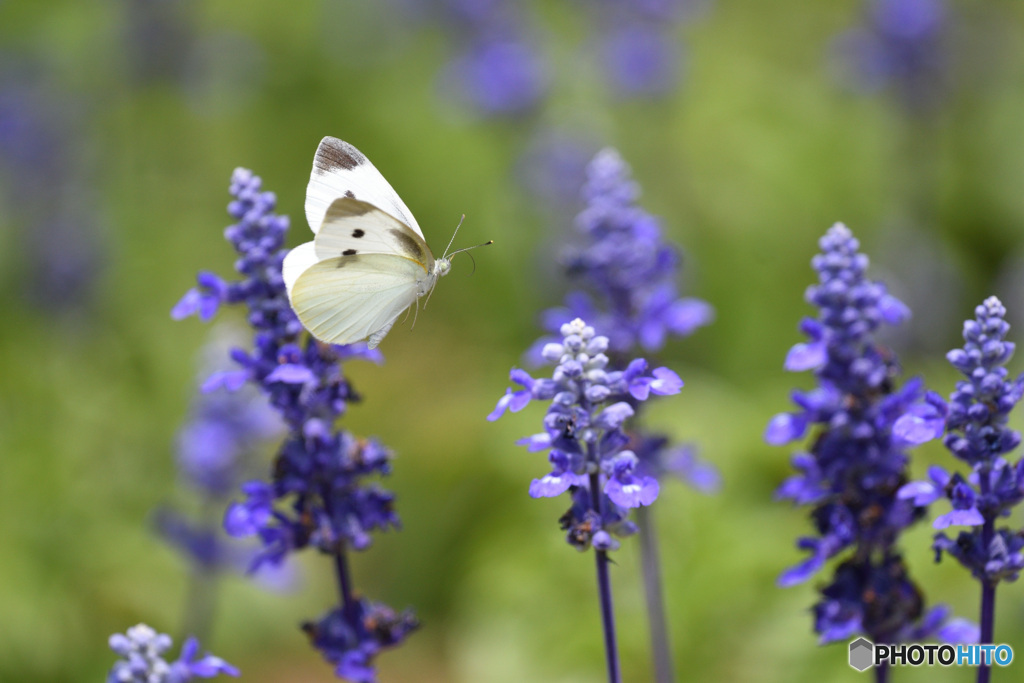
(334, 154)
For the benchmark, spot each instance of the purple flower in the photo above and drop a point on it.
(641, 59)
(499, 77)
(142, 648)
(223, 428)
(628, 267)
(627, 274)
(584, 428)
(903, 46)
(976, 433)
(47, 198)
(318, 495)
(639, 48)
(561, 477)
(626, 488)
(351, 638)
(658, 458)
(785, 427)
(923, 422)
(499, 70)
(854, 467)
(926, 492)
(867, 596)
(553, 166)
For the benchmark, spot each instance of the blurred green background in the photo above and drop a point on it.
(146, 107)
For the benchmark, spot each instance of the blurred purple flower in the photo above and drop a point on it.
(628, 265)
(498, 77)
(554, 164)
(223, 428)
(903, 46)
(641, 60)
(48, 190)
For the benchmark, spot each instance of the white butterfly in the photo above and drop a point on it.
(368, 261)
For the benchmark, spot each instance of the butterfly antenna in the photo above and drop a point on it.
(452, 240)
(459, 251)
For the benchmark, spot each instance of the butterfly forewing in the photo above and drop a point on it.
(341, 170)
(345, 299)
(352, 227)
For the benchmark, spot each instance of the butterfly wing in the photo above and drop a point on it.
(296, 262)
(345, 299)
(352, 227)
(341, 170)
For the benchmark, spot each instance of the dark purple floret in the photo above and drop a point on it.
(855, 463)
(351, 638)
(319, 494)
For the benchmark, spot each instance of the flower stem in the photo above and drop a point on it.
(988, 602)
(201, 598)
(200, 603)
(344, 579)
(882, 673)
(604, 590)
(650, 566)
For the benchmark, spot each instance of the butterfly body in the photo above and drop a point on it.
(368, 261)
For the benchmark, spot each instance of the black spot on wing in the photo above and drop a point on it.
(350, 194)
(349, 252)
(335, 154)
(410, 246)
(358, 232)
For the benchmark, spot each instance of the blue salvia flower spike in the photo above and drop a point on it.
(627, 273)
(855, 462)
(975, 425)
(587, 446)
(318, 496)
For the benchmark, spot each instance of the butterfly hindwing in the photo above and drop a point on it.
(352, 227)
(296, 262)
(341, 170)
(345, 299)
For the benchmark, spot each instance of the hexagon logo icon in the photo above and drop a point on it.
(862, 654)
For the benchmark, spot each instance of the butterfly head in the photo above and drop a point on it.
(443, 265)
